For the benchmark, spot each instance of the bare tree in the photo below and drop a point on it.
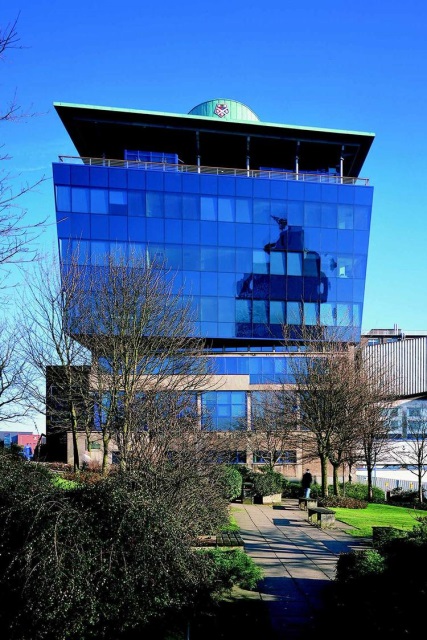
(413, 452)
(272, 425)
(14, 376)
(341, 398)
(47, 345)
(146, 367)
(16, 232)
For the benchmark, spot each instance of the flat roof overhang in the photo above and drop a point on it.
(98, 132)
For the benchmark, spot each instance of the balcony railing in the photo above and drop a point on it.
(304, 176)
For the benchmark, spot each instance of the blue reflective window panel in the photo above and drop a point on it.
(277, 312)
(209, 283)
(295, 213)
(261, 211)
(173, 205)
(359, 267)
(63, 222)
(136, 179)
(344, 289)
(328, 216)
(328, 314)
(357, 315)
(329, 239)
(243, 210)
(360, 241)
(80, 200)
(80, 175)
(173, 231)
(261, 235)
(138, 251)
(260, 261)
(209, 259)
(344, 266)
(99, 201)
(243, 311)
(294, 266)
(119, 252)
(279, 189)
(261, 188)
(118, 228)
(362, 218)
(226, 259)
(363, 195)
(136, 203)
(293, 313)
(358, 290)
(99, 252)
(155, 229)
(154, 204)
(174, 257)
(346, 194)
(117, 178)
(226, 185)
(345, 241)
(344, 314)
(191, 258)
(208, 309)
(227, 284)
(154, 180)
(312, 214)
(136, 229)
(278, 262)
(296, 190)
(191, 232)
(190, 183)
(156, 254)
(209, 329)
(63, 198)
(208, 184)
(208, 232)
(173, 182)
(61, 173)
(243, 260)
(191, 207)
(260, 311)
(208, 208)
(310, 313)
(99, 227)
(118, 202)
(80, 225)
(329, 193)
(226, 310)
(345, 216)
(226, 234)
(226, 209)
(244, 187)
(81, 250)
(311, 264)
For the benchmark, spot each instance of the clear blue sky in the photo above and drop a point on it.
(356, 66)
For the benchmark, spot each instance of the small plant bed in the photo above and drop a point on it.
(223, 539)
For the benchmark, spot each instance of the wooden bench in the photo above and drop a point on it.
(321, 516)
(303, 503)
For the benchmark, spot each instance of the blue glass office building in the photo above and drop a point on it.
(265, 224)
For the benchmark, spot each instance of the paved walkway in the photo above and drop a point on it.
(298, 559)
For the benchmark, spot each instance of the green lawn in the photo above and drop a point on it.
(377, 515)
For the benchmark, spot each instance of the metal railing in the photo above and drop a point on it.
(219, 171)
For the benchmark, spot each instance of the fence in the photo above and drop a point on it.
(388, 484)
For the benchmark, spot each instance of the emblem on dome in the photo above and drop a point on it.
(221, 110)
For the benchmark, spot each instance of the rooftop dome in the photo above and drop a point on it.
(224, 109)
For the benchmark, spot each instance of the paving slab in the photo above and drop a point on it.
(298, 560)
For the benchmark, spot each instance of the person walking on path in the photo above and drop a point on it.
(307, 479)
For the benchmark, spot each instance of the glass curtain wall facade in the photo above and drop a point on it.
(254, 248)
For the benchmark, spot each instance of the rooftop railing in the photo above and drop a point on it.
(304, 176)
